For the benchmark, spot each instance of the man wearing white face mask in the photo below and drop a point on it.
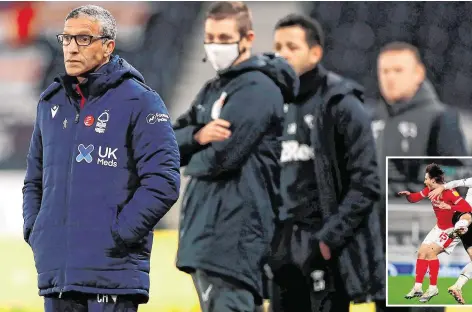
(229, 143)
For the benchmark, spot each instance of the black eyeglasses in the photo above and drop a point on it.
(81, 40)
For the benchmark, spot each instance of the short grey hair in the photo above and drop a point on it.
(103, 16)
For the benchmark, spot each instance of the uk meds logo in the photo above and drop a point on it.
(106, 155)
(85, 153)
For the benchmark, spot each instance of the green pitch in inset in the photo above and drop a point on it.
(399, 286)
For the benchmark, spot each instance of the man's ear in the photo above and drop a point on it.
(315, 54)
(110, 47)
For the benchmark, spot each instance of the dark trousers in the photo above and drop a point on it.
(306, 294)
(218, 293)
(76, 302)
(302, 280)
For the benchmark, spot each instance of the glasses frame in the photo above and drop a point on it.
(60, 39)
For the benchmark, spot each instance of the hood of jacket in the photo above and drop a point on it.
(424, 96)
(103, 79)
(275, 67)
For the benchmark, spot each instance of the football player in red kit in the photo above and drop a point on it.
(437, 241)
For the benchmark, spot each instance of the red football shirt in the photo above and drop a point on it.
(443, 216)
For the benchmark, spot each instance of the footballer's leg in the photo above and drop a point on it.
(421, 269)
(433, 264)
(442, 243)
(456, 289)
(466, 274)
(112, 303)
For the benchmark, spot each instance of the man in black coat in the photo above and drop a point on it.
(229, 143)
(327, 249)
(410, 119)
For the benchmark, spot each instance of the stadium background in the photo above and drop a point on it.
(164, 41)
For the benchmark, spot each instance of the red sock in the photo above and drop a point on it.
(421, 268)
(433, 272)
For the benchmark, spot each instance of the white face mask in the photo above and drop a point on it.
(221, 56)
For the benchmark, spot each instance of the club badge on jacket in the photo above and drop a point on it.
(102, 120)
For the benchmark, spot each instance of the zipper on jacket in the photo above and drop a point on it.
(68, 186)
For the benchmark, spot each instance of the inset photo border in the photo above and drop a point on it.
(427, 218)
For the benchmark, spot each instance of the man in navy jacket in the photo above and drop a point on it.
(102, 170)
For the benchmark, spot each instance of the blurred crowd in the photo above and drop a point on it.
(154, 36)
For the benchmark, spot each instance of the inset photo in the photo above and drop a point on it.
(429, 243)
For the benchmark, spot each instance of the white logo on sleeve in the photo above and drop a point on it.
(153, 118)
(206, 293)
(54, 110)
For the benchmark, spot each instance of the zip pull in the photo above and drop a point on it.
(77, 117)
(60, 295)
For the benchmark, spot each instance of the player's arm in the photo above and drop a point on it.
(415, 197)
(458, 183)
(33, 185)
(449, 186)
(457, 202)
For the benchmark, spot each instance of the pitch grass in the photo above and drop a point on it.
(399, 286)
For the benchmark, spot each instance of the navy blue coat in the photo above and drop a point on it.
(97, 182)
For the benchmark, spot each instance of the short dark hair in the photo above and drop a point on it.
(232, 9)
(402, 46)
(313, 31)
(435, 172)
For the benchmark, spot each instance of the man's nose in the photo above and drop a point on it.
(73, 47)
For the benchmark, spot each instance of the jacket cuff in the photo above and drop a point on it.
(330, 238)
(190, 140)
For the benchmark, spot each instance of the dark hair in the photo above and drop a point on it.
(232, 9)
(402, 46)
(435, 172)
(313, 31)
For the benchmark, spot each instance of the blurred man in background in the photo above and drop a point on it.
(229, 142)
(102, 170)
(410, 120)
(326, 250)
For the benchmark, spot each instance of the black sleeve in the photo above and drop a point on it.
(185, 127)
(446, 137)
(249, 111)
(353, 125)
